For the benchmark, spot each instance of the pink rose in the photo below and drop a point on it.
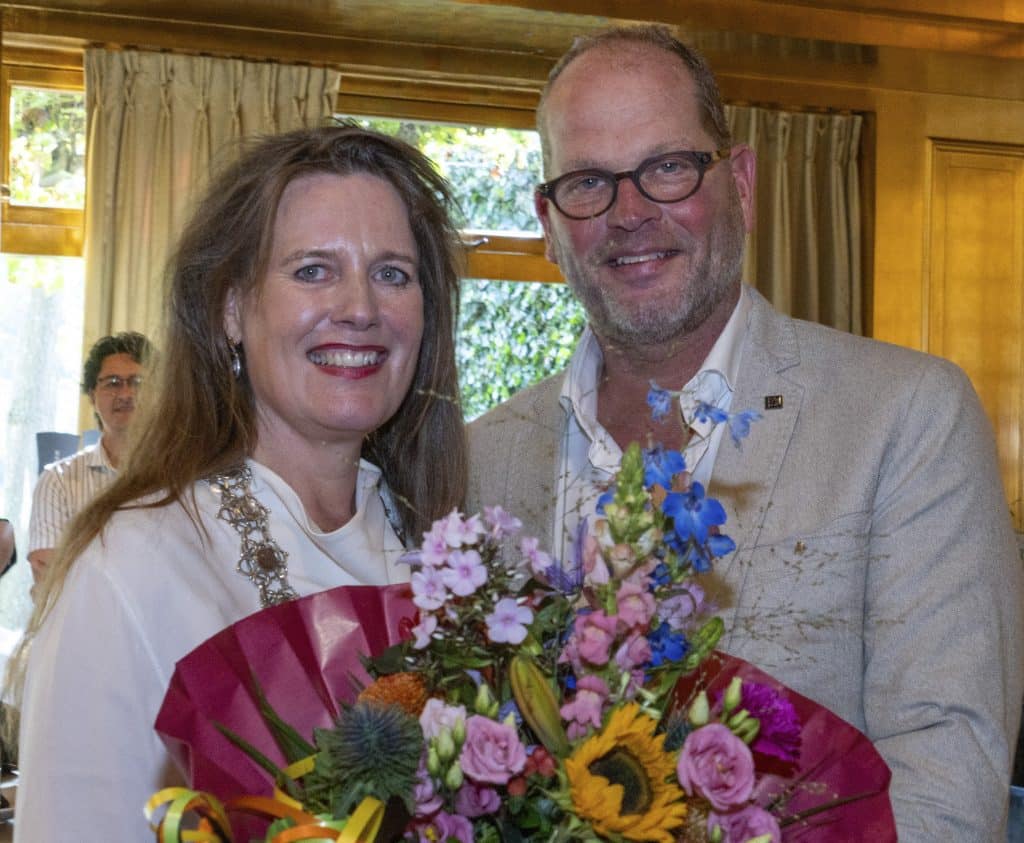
(492, 752)
(476, 800)
(717, 765)
(745, 824)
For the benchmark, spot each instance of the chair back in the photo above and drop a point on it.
(52, 446)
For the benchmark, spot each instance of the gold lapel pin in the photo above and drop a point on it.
(773, 402)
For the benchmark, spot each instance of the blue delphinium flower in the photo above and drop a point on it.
(661, 465)
(606, 498)
(705, 412)
(667, 646)
(739, 424)
(693, 514)
(660, 401)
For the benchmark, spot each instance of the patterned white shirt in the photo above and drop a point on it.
(63, 490)
(590, 456)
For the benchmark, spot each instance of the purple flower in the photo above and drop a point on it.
(492, 752)
(424, 793)
(476, 800)
(508, 622)
(438, 715)
(465, 572)
(423, 630)
(444, 826)
(538, 559)
(458, 531)
(716, 765)
(779, 734)
(633, 653)
(660, 401)
(501, 522)
(428, 591)
(585, 708)
(745, 824)
(677, 609)
(435, 549)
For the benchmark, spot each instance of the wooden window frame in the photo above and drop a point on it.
(491, 255)
(31, 229)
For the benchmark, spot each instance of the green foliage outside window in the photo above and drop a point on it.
(47, 147)
(511, 333)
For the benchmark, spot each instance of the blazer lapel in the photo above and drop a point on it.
(745, 478)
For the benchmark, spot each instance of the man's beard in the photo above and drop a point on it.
(657, 322)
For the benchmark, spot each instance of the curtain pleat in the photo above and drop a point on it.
(804, 252)
(157, 124)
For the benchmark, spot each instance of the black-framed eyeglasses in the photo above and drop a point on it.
(672, 177)
(113, 383)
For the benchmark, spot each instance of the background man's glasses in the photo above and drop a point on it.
(114, 383)
(671, 177)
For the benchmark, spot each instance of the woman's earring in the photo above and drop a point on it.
(236, 360)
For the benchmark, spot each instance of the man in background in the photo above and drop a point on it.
(876, 570)
(111, 377)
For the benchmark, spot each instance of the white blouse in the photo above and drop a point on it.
(146, 592)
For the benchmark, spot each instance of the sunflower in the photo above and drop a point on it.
(622, 781)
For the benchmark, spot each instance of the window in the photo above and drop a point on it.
(42, 292)
(511, 334)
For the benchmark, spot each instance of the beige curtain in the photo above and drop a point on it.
(805, 252)
(156, 122)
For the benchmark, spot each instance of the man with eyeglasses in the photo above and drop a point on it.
(876, 570)
(111, 377)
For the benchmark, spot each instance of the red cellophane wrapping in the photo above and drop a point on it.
(839, 787)
(303, 654)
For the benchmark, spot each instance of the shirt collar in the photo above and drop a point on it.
(579, 389)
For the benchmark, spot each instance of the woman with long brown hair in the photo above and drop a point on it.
(303, 427)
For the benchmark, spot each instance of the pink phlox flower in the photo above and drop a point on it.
(459, 531)
(716, 765)
(428, 591)
(476, 800)
(501, 522)
(635, 605)
(492, 752)
(423, 791)
(434, 550)
(633, 653)
(538, 559)
(423, 630)
(465, 572)
(437, 715)
(595, 569)
(594, 633)
(508, 623)
(445, 827)
(678, 610)
(584, 710)
(744, 824)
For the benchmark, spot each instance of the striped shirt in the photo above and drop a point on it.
(63, 490)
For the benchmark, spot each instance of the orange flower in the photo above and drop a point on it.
(406, 690)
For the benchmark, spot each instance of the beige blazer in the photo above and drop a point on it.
(876, 570)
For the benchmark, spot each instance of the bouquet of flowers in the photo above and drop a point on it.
(527, 700)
